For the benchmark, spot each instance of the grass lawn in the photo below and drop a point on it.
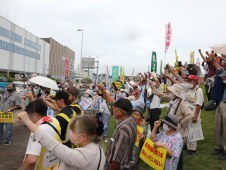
(203, 158)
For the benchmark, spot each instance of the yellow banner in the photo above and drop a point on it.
(139, 131)
(154, 157)
(6, 117)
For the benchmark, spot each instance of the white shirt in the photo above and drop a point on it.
(34, 148)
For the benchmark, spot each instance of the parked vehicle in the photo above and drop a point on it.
(3, 83)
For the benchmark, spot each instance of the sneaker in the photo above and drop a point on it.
(7, 142)
(222, 156)
(217, 152)
(191, 152)
(106, 141)
(2, 141)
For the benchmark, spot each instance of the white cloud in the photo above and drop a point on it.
(123, 32)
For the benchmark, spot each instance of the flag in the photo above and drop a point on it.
(121, 74)
(153, 62)
(133, 73)
(192, 58)
(176, 70)
(107, 76)
(168, 36)
(161, 72)
(115, 73)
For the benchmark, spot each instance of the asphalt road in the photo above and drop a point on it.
(11, 156)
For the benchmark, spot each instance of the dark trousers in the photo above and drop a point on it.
(154, 116)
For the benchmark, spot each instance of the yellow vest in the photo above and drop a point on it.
(43, 151)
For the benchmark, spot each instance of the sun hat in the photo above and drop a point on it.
(176, 89)
(171, 120)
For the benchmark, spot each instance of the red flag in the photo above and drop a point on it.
(168, 36)
(66, 67)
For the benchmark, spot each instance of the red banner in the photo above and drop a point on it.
(168, 36)
(66, 67)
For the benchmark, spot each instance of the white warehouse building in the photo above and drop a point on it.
(21, 51)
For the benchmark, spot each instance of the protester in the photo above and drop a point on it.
(106, 115)
(9, 103)
(120, 149)
(73, 98)
(137, 114)
(195, 100)
(169, 139)
(220, 125)
(154, 110)
(89, 155)
(37, 157)
(65, 115)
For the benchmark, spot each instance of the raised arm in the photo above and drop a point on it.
(204, 58)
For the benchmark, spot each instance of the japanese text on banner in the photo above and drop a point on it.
(154, 157)
(139, 131)
(6, 117)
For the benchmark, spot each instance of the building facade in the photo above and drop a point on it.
(61, 60)
(21, 51)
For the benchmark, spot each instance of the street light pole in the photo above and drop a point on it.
(80, 56)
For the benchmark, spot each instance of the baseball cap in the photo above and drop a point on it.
(123, 104)
(61, 95)
(192, 77)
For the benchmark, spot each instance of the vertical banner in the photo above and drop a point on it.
(198, 61)
(133, 72)
(168, 36)
(107, 77)
(121, 74)
(154, 157)
(153, 62)
(66, 67)
(161, 72)
(115, 73)
(176, 66)
(192, 57)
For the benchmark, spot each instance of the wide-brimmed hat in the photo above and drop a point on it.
(171, 120)
(89, 92)
(176, 89)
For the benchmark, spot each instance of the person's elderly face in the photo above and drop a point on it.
(136, 115)
(117, 112)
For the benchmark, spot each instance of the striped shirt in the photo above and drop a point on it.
(120, 148)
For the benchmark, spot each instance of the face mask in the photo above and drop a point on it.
(166, 127)
(10, 90)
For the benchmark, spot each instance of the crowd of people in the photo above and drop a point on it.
(66, 128)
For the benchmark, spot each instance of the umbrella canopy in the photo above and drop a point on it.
(45, 82)
(219, 48)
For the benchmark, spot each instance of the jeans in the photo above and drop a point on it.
(9, 130)
(106, 121)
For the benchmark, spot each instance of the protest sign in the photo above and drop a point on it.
(139, 131)
(85, 103)
(6, 117)
(154, 157)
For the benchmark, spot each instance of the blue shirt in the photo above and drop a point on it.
(224, 95)
(218, 87)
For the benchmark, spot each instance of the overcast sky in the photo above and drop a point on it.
(123, 32)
